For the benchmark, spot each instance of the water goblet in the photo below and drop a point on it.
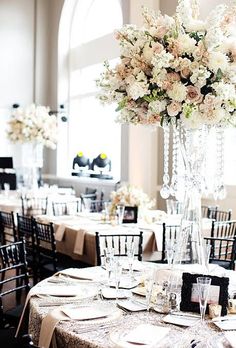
(148, 283)
(203, 285)
(120, 209)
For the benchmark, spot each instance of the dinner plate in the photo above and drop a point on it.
(94, 313)
(77, 292)
(144, 335)
(181, 319)
(226, 324)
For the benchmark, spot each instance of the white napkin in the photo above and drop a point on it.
(146, 334)
(87, 312)
(231, 337)
(132, 306)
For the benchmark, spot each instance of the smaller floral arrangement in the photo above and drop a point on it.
(33, 124)
(131, 196)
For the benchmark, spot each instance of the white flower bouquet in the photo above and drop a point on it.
(33, 124)
(129, 195)
(175, 68)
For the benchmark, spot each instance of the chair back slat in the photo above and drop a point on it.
(13, 274)
(66, 208)
(119, 243)
(169, 233)
(45, 246)
(32, 206)
(8, 228)
(223, 243)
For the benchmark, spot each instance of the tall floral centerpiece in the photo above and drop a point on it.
(132, 196)
(34, 128)
(179, 73)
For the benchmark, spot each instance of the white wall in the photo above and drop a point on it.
(16, 63)
(142, 144)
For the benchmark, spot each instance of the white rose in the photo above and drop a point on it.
(178, 92)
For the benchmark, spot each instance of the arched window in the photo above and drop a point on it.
(90, 128)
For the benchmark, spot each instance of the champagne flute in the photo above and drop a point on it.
(130, 256)
(120, 209)
(148, 283)
(109, 259)
(117, 268)
(203, 284)
(170, 252)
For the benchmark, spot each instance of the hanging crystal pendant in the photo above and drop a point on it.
(165, 190)
(219, 191)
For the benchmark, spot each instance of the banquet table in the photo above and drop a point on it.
(47, 314)
(75, 235)
(11, 201)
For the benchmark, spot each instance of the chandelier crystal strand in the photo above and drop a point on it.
(165, 190)
(195, 8)
(173, 186)
(221, 192)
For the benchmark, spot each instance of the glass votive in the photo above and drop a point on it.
(214, 310)
(232, 305)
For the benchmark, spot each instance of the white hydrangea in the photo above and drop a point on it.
(199, 76)
(218, 60)
(178, 92)
(162, 60)
(225, 91)
(157, 106)
(187, 43)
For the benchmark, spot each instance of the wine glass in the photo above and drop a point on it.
(148, 283)
(203, 285)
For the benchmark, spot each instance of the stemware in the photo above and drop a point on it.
(108, 260)
(120, 209)
(207, 252)
(117, 269)
(203, 285)
(170, 249)
(130, 257)
(148, 283)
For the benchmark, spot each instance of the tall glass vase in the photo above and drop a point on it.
(189, 248)
(32, 162)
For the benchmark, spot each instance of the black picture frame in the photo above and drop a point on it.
(130, 215)
(186, 292)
